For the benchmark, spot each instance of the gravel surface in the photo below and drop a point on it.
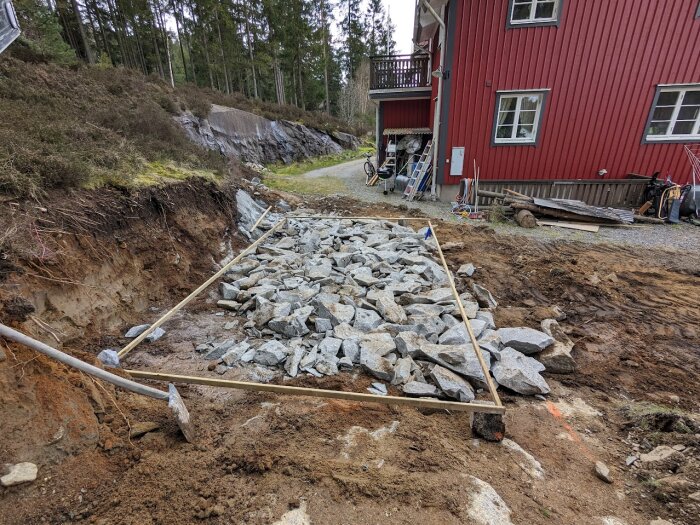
(682, 237)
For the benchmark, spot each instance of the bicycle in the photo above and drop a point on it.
(370, 170)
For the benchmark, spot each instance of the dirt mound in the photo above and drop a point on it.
(106, 257)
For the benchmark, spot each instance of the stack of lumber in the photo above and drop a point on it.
(576, 214)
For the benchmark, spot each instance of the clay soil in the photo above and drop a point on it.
(95, 263)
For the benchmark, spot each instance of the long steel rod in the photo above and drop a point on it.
(465, 319)
(126, 384)
(201, 287)
(314, 392)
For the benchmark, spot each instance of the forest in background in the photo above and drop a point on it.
(312, 54)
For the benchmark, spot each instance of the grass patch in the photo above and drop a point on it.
(314, 186)
(159, 172)
(299, 168)
(637, 410)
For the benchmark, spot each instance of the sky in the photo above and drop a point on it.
(402, 13)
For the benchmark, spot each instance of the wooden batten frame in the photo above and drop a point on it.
(316, 392)
(468, 326)
(257, 223)
(133, 344)
(339, 218)
(498, 408)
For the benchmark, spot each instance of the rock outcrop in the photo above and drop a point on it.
(255, 139)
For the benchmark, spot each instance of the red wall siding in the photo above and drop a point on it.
(407, 113)
(602, 65)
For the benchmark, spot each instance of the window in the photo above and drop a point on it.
(518, 116)
(675, 115)
(534, 12)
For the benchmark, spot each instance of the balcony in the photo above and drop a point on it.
(400, 76)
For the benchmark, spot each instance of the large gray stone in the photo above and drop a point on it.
(458, 358)
(458, 334)
(330, 346)
(219, 349)
(136, 331)
(234, 354)
(351, 349)
(318, 270)
(336, 312)
(366, 320)
(341, 259)
(470, 305)
(293, 361)
(327, 365)
(390, 310)
(108, 357)
(526, 340)
(293, 325)
(427, 326)
(228, 292)
(519, 373)
(483, 296)
(323, 325)
(486, 507)
(424, 309)
(418, 389)
(557, 358)
(402, 370)
(408, 343)
(309, 360)
(466, 269)
(363, 277)
(380, 343)
(345, 331)
(376, 365)
(271, 353)
(19, 473)
(487, 317)
(451, 384)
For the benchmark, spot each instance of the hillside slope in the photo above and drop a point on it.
(85, 127)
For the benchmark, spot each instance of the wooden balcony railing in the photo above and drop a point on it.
(399, 71)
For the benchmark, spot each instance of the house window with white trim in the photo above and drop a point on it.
(518, 116)
(529, 12)
(675, 115)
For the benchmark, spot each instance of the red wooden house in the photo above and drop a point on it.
(560, 98)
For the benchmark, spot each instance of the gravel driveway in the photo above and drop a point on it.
(682, 237)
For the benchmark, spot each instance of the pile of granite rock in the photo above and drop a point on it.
(325, 297)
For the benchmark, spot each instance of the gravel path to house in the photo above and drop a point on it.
(682, 237)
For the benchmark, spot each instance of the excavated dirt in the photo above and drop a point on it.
(106, 259)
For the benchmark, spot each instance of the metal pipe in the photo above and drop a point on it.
(438, 101)
(19, 337)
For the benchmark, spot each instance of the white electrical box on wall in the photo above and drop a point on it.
(457, 162)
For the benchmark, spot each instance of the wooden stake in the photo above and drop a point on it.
(314, 392)
(257, 223)
(465, 319)
(133, 344)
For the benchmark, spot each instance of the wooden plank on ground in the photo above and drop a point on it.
(571, 225)
(315, 392)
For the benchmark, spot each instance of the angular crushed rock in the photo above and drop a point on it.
(525, 340)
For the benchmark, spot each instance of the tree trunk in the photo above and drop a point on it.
(166, 40)
(250, 51)
(83, 35)
(223, 54)
(324, 46)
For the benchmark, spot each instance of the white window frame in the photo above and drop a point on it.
(542, 94)
(532, 20)
(682, 89)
